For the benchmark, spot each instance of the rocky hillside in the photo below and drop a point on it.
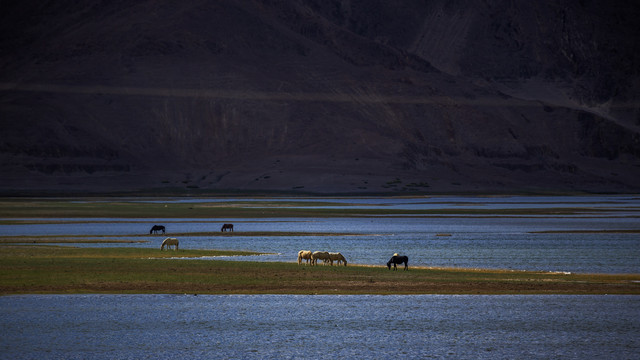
(326, 96)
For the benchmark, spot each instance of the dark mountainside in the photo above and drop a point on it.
(323, 96)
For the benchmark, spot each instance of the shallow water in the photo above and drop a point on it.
(499, 242)
(355, 327)
(290, 326)
(506, 242)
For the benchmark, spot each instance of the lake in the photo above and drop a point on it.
(297, 326)
(494, 242)
(355, 327)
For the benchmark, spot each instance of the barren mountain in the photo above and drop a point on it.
(325, 96)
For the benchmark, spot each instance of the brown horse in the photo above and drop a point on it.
(338, 258)
(320, 255)
(226, 227)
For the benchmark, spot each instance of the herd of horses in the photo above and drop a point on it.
(311, 257)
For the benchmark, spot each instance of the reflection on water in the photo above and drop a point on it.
(289, 326)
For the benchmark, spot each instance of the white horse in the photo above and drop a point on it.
(338, 258)
(322, 255)
(304, 255)
(168, 242)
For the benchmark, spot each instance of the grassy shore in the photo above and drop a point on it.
(64, 270)
(53, 208)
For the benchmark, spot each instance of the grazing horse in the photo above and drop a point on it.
(168, 242)
(157, 228)
(226, 227)
(338, 258)
(304, 255)
(322, 255)
(395, 260)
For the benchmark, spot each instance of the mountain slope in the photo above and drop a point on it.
(320, 96)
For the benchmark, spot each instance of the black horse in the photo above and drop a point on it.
(157, 228)
(395, 260)
(227, 227)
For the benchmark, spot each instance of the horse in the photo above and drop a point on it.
(322, 255)
(396, 259)
(304, 255)
(227, 227)
(157, 228)
(338, 258)
(168, 242)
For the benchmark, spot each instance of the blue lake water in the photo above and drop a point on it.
(505, 242)
(355, 327)
(290, 326)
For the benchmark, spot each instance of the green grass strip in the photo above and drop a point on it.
(43, 208)
(56, 270)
